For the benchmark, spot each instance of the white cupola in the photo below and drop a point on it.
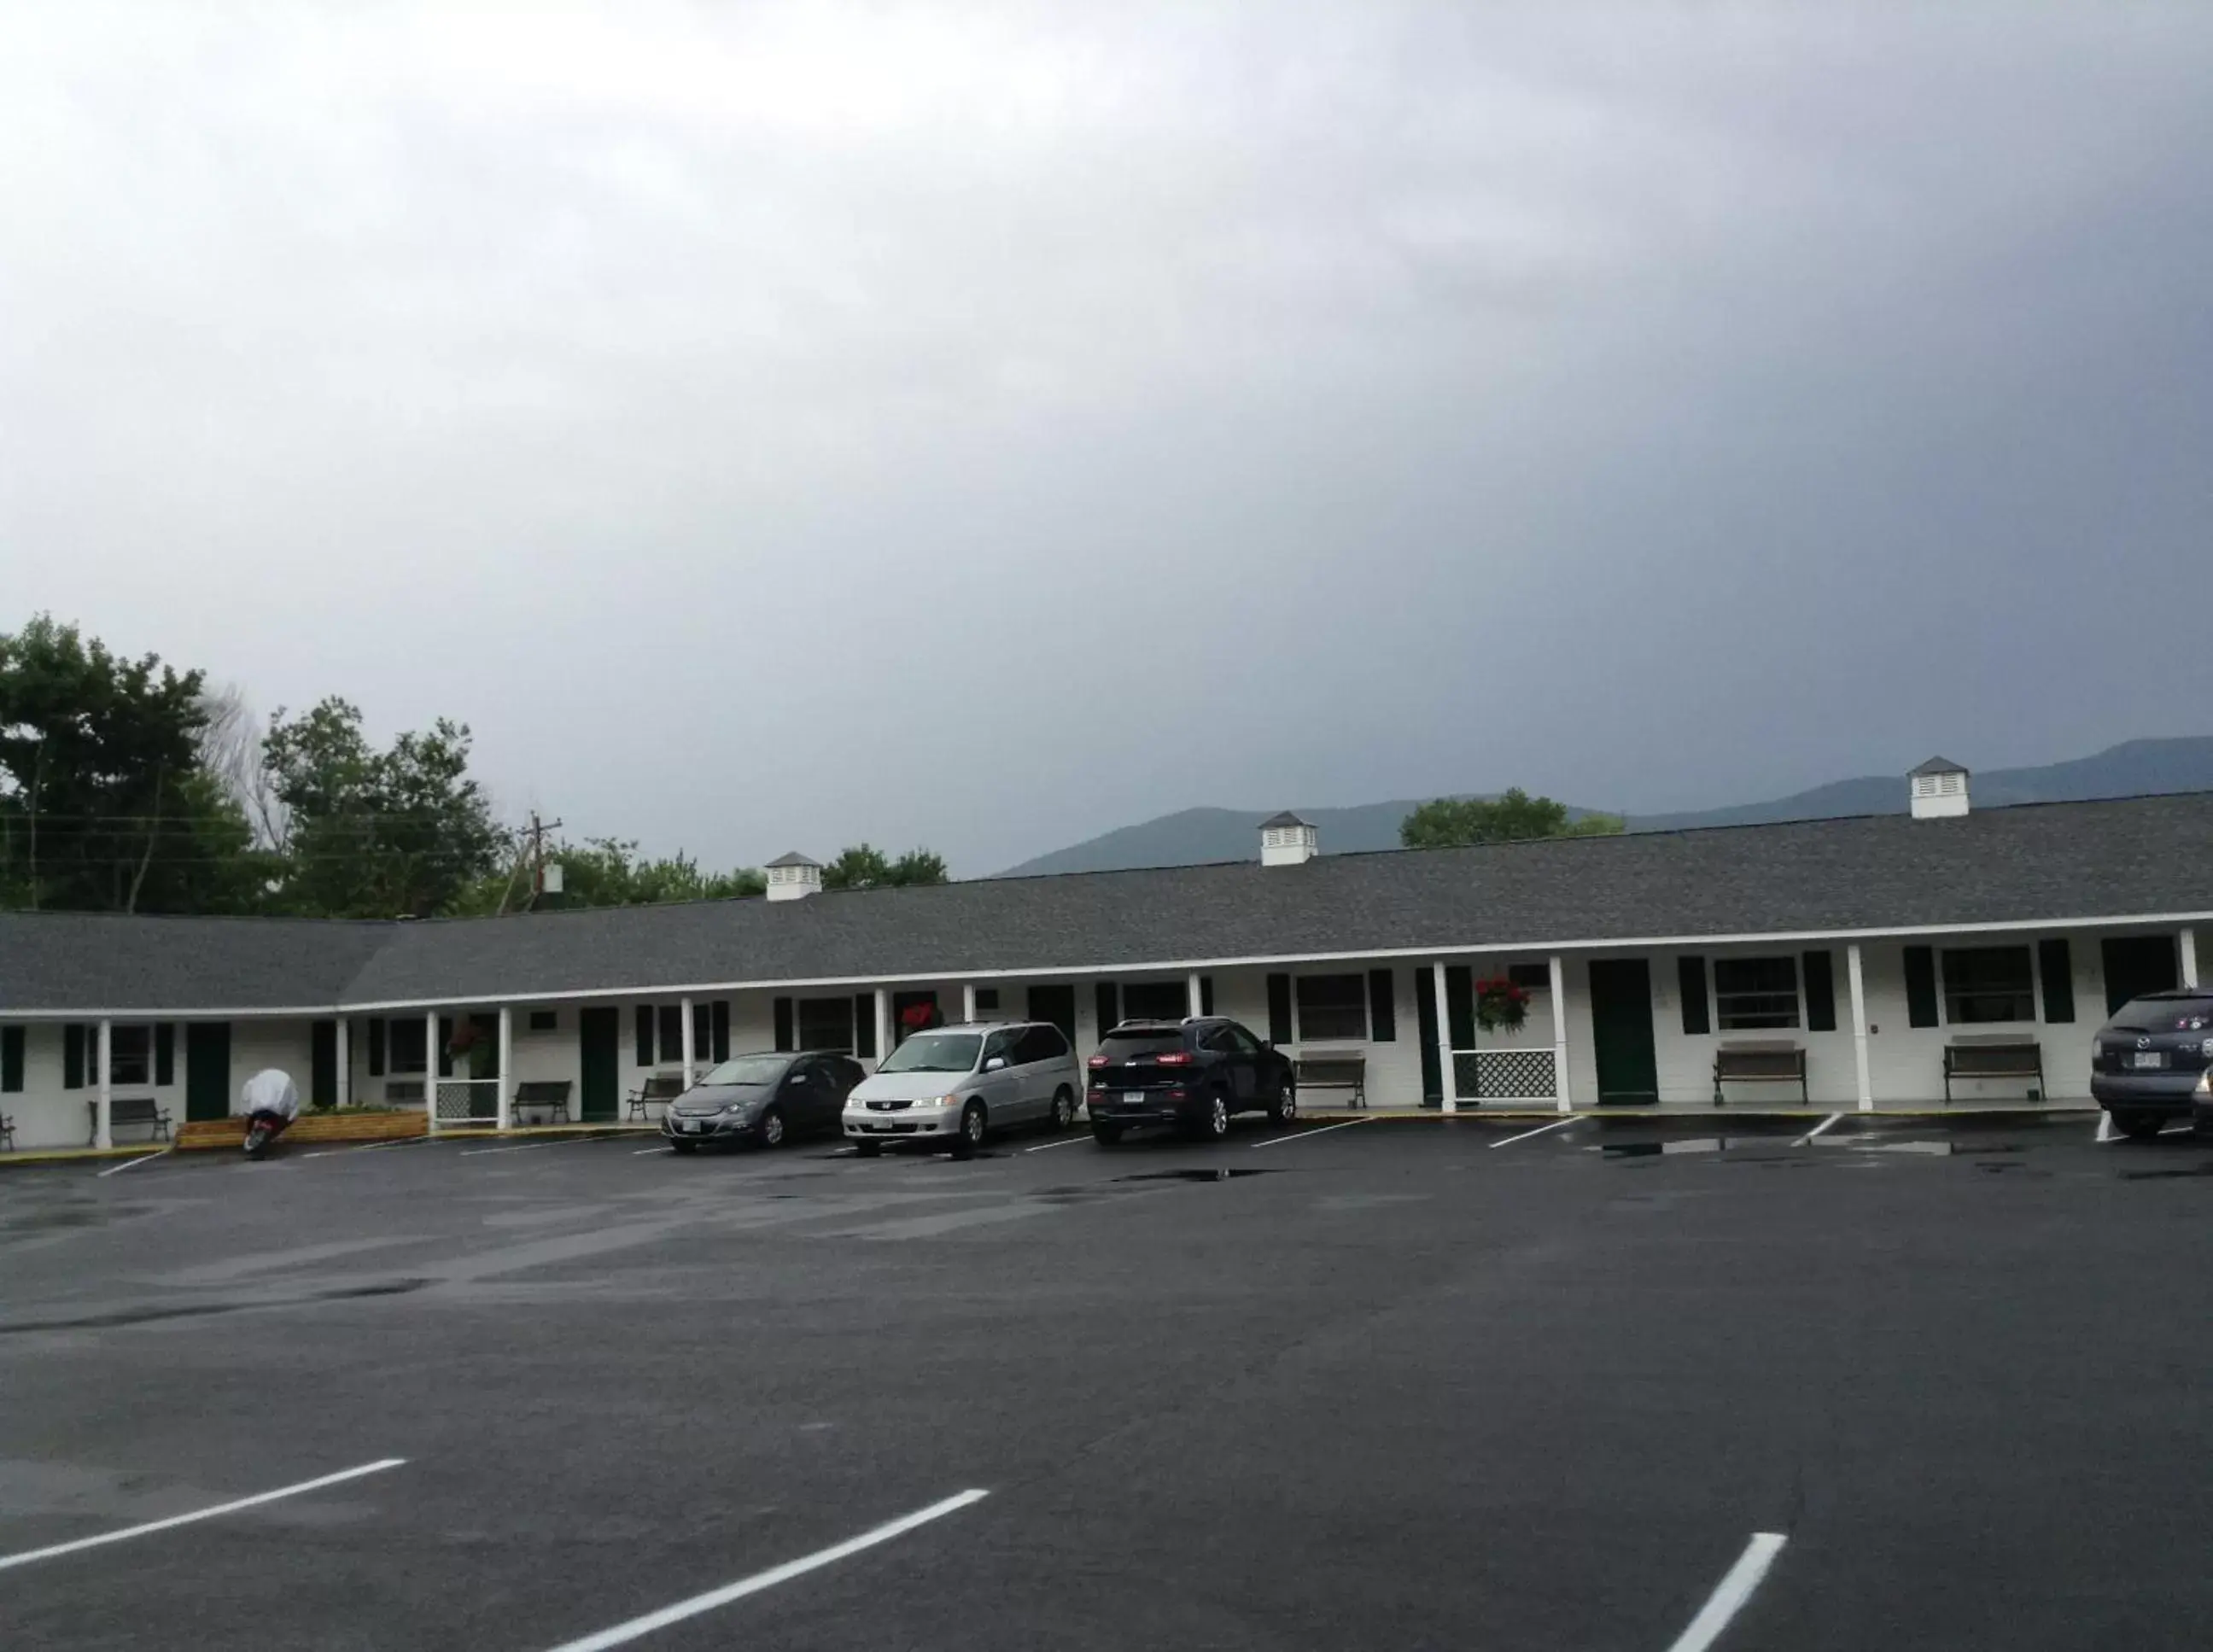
(1940, 788)
(1286, 840)
(793, 875)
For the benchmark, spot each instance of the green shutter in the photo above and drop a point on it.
(1821, 993)
(1382, 1006)
(864, 1026)
(719, 1031)
(1460, 1005)
(1691, 988)
(1425, 1022)
(2055, 966)
(702, 1028)
(165, 1052)
(1920, 986)
(323, 1064)
(11, 1060)
(376, 1047)
(1106, 998)
(73, 1056)
(1206, 995)
(1279, 1009)
(783, 1024)
(645, 1035)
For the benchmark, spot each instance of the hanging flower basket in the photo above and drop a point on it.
(920, 1017)
(1501, 1006)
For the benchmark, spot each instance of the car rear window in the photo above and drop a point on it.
(1124, 1047)
(2165, 1015)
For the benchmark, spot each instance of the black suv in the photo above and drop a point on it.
(1191, 1073)
(2146, 1059)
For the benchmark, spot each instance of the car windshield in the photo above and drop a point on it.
(935, 1052)
(747, 1069)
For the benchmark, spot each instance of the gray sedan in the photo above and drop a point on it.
(763, 1099)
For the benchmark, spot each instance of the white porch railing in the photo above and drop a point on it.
(1525, 1073)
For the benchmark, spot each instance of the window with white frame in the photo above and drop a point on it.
(405, 1042)
(1531, 978)
(826, 1024)
(1332, 1006)
(132, 1055)
(1755, 994)
(1989, 984)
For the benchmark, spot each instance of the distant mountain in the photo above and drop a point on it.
(1192, 836)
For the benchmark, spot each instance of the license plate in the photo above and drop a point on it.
(2148, 1058)
(1133, 1098)
(688, 1127)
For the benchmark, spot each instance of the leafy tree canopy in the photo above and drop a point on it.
(1511, 817)
(609, 871)
(862, 866)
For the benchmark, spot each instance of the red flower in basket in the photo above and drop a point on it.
(916, 1016)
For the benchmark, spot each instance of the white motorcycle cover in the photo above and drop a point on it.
(272, 1091)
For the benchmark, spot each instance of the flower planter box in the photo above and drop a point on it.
(308, 1127)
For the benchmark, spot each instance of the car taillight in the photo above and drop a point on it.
(1175, 1058)
(1098, 1061)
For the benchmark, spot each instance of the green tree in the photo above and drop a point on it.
(609, 871)
(862, 866)
(1511, 817)
(106, 804)
(369, 833)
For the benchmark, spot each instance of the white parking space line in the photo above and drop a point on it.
(152, 1527)
(530, 1147)
(2180, 1130)
(1817, 1129)
(1558, 1124)
(1300, 1135)
(1731, 1593)
(115, 1169)
(2105, 1126)
(641, 1152)
(621, 1634)
(1069, 1142)
(365, 1147)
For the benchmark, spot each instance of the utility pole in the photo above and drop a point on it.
(538, 831)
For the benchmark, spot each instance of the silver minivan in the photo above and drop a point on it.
(952, 1086)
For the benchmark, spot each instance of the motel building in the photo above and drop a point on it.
(1869, 963)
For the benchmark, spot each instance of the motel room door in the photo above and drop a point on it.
(599, 1063)
(1621, 1032)
(207, 1069)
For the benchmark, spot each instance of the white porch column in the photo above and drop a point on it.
(103, 1135)
(1559, 969)
(506, 1066)
(1450, 1078)
(344, 1043)
(691, 1054)
(1194, 997)
(431, 1054)
(968, 1001)
(883, 1023)
(1866, 1085)
(2185, 943)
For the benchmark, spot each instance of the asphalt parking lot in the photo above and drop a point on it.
(1386, 1385)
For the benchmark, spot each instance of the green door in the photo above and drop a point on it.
(207, 1069)
(599, 1039)
(1621, 1032)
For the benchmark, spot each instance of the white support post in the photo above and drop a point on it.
(1447, 1077)
(344, 1042)
(1860, 1072)
(691, 1054)
(968, 1001)
(1194, 997)
(2186, 944)
(506, 1066)
(103, 1134)
(431, 1054)
(1559, 968)
(883, 1024)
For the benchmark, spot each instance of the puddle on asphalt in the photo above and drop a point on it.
(2205, 1169)
(1225, 1174)
(121, 1317)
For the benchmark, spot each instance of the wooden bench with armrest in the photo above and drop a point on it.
(1333, 1072)
(1999, 1055)
(1759, 1061)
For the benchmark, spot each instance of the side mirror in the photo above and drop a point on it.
(995, 1063)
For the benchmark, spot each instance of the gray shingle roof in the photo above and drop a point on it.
(1936, 765)
(2044, 862)
(1286, 818)
(794, 858)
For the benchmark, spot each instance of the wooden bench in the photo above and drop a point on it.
(550, 1092)
(128, 1110)
(1995, 1056)
(659, 1089)
(1766, 1061)
(1333, 1073)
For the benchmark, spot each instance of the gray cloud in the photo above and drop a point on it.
(985, 425)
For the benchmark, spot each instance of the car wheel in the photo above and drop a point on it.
(768, 1132)
(1284, 1109)
(1063, 1111)
(1106, 1134)
(1211, 1123)
(675, 1146)
(869, 1150)
(972, 1127)
(2139, 1126)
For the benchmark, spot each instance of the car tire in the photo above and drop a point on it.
(1063, 1110)
(768, 1128)
(1284, 1109)
(675, 1146)
(1211, 1122)
(975, 1124)
(1107, 1134)
(869, 1150)
(2139, 1126)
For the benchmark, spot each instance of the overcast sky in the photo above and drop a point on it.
(983, 425)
